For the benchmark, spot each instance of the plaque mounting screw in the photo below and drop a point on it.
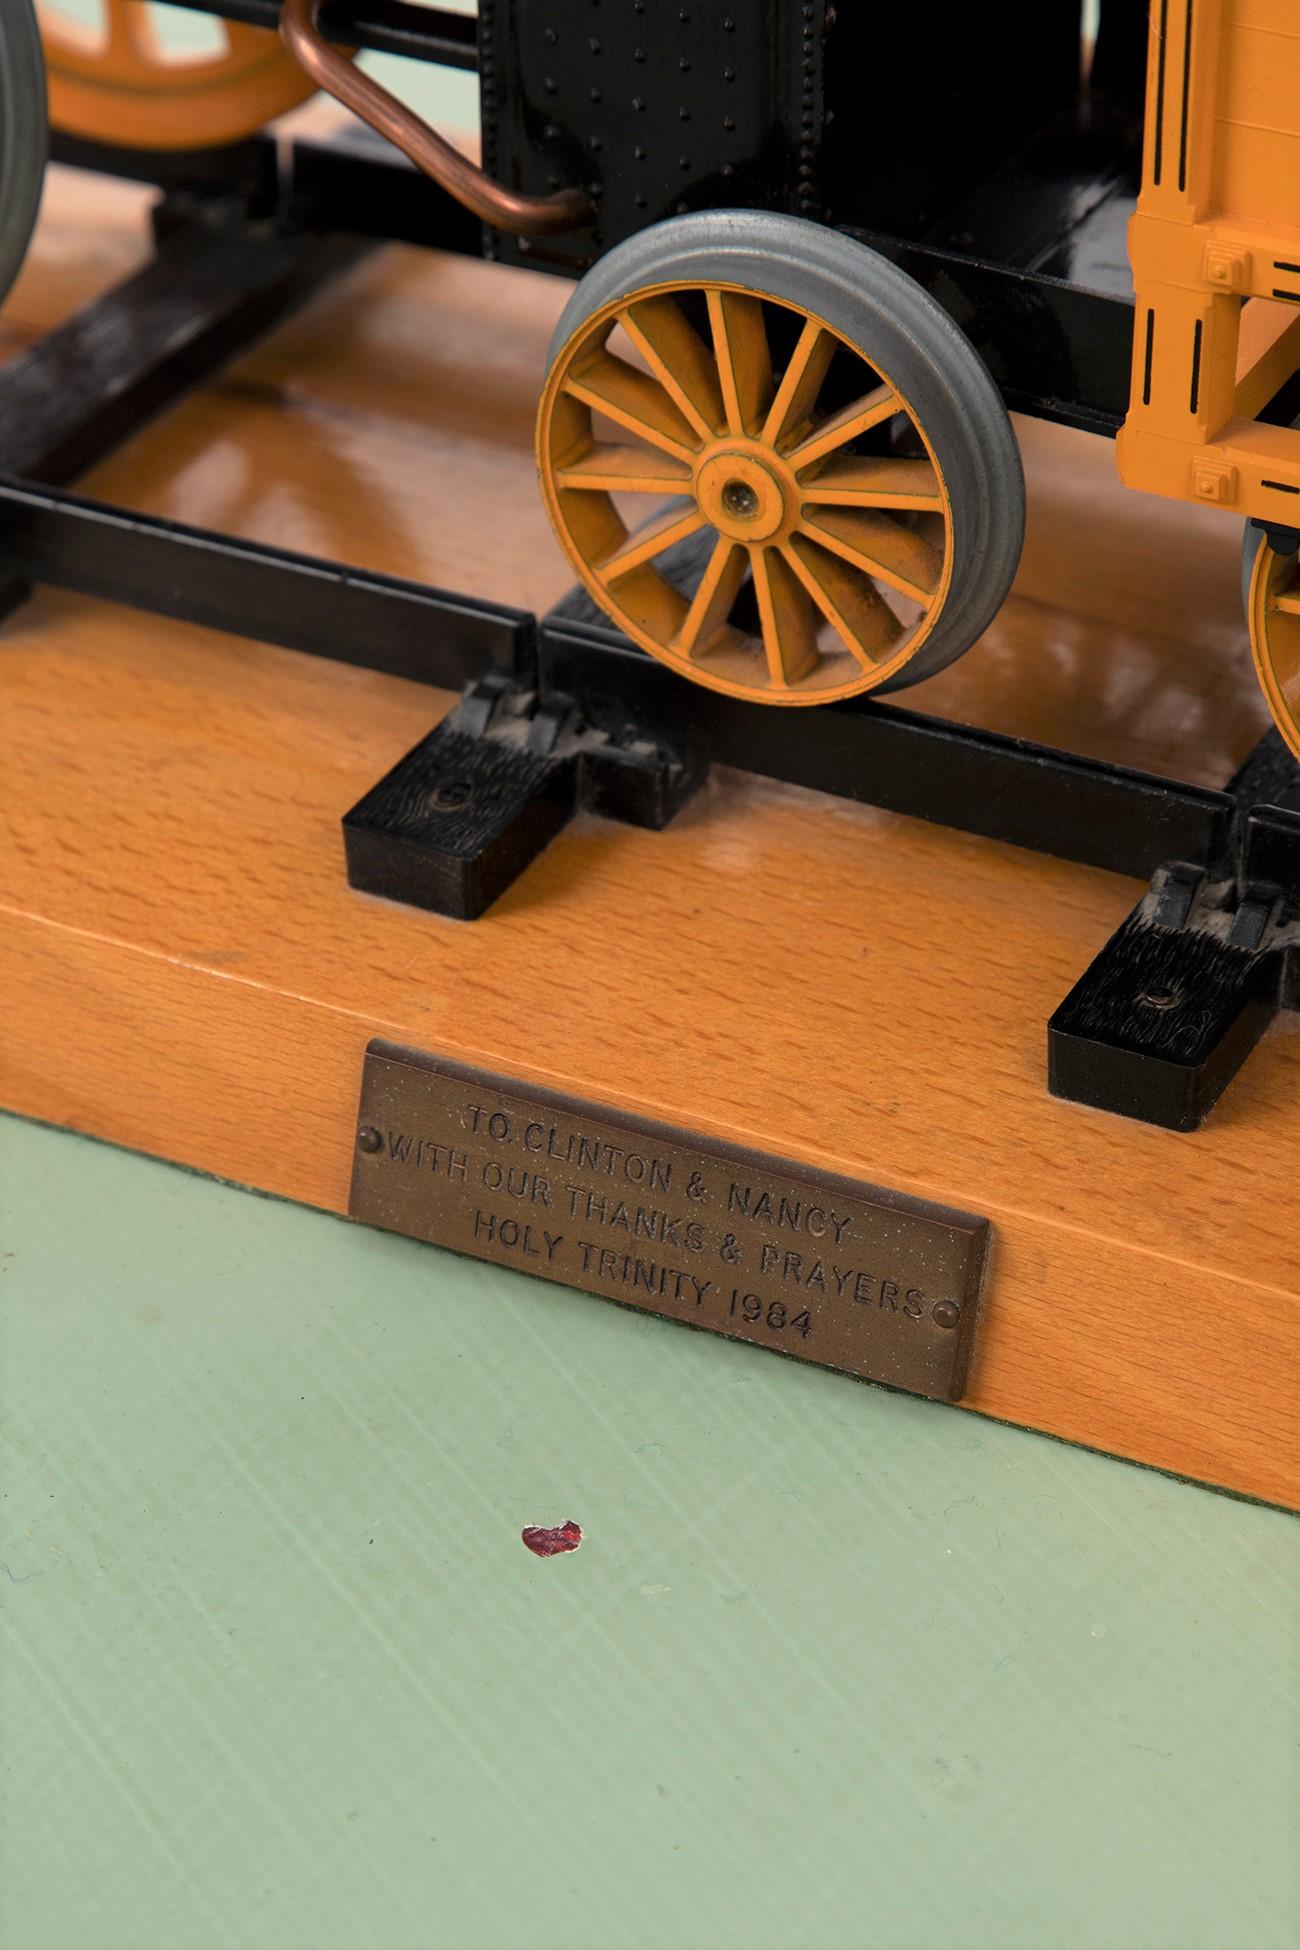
(946, 1314)
(368, 1138)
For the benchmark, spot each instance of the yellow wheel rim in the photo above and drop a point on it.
(121, 84)
(1274, 606)
(801, 480)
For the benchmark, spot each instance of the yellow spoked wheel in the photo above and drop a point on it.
(747, 485)
(130, 83)
(1273, 613)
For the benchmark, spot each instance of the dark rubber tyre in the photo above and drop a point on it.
(24, 133)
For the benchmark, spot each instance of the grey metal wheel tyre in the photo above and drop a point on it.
(803, 422)
(24, 133)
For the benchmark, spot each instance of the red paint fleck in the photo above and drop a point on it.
(550, 1543)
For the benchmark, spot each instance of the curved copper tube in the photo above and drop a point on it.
(528, 216)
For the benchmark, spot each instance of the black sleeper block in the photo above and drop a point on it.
(456, 821)
(1161, 1022)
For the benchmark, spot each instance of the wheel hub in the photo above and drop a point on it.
(744, 492)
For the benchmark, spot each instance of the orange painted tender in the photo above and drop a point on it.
(1215, 249)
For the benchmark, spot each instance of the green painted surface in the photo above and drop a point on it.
(833, 1667)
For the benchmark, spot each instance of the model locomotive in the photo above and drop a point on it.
(820, 251)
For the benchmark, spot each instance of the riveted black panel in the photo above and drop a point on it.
(655, 107)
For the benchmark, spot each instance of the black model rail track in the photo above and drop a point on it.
(561, 710)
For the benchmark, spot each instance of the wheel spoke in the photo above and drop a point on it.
(679, 359)
(131, 38)
(800, 383)
(625, 470)
(711, 604)
(851, 605)
(880, 547)
(1289, 604)
(788, 618)
(872, 410)
(673, 525)
(633, 400)
(744, 362)
(875, 481)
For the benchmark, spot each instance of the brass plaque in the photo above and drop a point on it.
(824, 1268)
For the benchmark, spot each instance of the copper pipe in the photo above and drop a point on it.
(528, 216)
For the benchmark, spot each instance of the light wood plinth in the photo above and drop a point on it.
(184, 970)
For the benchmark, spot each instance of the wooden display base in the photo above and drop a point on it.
(185, 971)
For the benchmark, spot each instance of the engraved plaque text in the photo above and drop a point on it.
(824, 1268)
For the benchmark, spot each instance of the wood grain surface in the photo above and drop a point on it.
(186, 972)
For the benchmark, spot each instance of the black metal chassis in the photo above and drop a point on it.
(561, 711)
